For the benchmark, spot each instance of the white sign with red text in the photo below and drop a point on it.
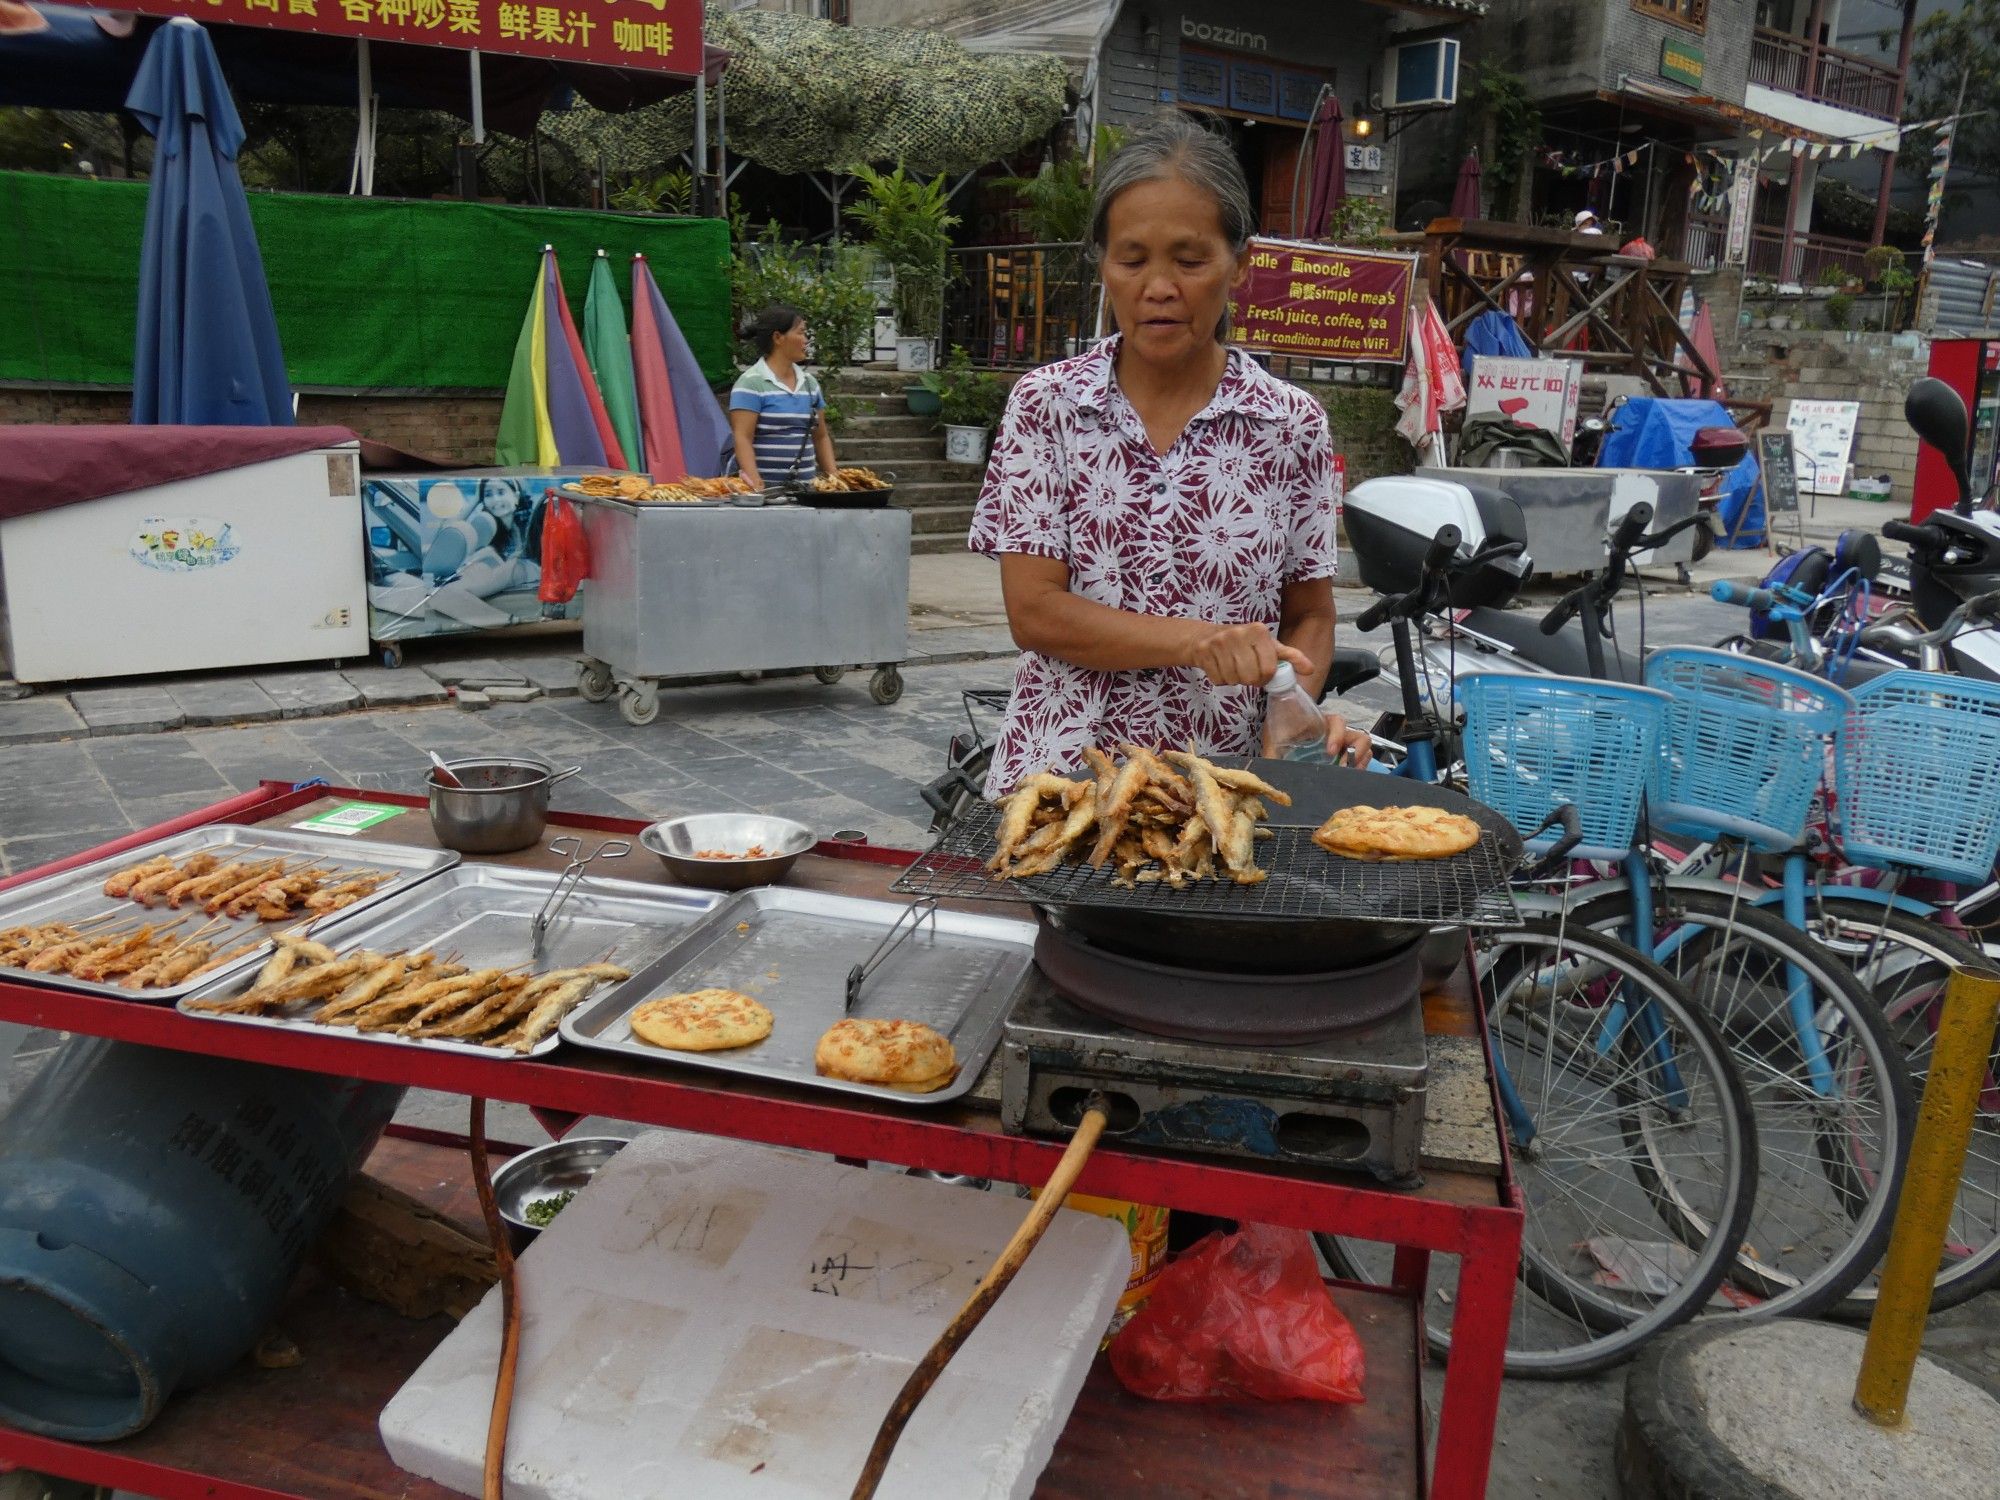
(1538, 393)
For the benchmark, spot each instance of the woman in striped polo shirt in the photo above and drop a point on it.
(776, 410)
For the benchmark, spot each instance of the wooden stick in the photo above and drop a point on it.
(927, 1370)
(510, 1311)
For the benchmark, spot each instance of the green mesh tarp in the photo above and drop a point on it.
(371, 293)
(809, 96)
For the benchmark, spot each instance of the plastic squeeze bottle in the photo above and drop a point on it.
(1294, 728)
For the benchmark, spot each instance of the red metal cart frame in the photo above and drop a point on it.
(1479, 1225)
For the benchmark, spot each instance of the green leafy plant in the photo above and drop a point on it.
(966, 397)
(1839, 309)
(1505, 107)
(1360, 222)
(1056, 200)
(909, 223)
(829, 286)
(1834, 275)
(670, 192)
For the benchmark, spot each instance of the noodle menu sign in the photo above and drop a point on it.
(1323, 302)
(661, 36)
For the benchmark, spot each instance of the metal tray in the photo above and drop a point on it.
(487, 914)
(79, 893)
(647, 507)
(792, 950)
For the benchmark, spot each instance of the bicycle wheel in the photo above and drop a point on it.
(1904, 961)
(1832, 1099)
(1620, 1122)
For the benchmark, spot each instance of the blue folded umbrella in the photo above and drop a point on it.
(208, 352)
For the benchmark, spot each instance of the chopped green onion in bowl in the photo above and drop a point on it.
(542, 1212)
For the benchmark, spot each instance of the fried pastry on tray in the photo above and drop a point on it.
(1396, 833)
(907, 1056)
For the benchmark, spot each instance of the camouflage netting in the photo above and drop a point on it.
(809, 96)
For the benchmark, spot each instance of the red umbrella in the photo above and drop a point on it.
(1465, 197)
(1329, 183)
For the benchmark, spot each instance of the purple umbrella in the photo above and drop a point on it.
(1329, 184)
(1465, 197)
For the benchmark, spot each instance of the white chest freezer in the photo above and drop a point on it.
(241, 567)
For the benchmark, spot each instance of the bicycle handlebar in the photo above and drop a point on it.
(1726, 592)
(1982, 606)
(1566, 609)
(1904, 531)
(1444, 547)
(1660, 538)
(1631, 528)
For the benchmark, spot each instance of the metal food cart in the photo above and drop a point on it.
(683, 590)
(263, 1434)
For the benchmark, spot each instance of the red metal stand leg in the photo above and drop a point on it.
(1477, 1362)
(1411, 1270)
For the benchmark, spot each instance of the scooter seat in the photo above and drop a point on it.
(1352, 666)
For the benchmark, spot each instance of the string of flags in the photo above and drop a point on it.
(1569, 166)
(1940, 169)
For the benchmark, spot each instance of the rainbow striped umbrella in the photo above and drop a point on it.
(687, 432)
(554, 414)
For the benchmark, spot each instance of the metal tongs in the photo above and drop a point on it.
(571, 846)
(913, 918)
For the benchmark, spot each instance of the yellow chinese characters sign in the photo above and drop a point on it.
(662, 36)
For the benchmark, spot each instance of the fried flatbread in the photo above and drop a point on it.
(1396, 833)
(904, 1055)
(711, 1020)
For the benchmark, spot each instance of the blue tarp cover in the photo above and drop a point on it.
(1651, 432)
(1497, 334)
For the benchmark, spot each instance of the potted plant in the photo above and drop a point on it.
(909, 223)
(969, 403)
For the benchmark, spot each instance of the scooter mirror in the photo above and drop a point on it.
(1936, 414)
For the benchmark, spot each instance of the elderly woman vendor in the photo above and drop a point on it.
(1162, 507)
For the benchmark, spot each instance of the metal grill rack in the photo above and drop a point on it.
(1304, 881)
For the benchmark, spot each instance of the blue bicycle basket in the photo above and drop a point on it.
(1535, 743)
(1918, 776)
(1745, 746)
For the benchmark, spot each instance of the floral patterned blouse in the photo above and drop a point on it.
(1241, 505)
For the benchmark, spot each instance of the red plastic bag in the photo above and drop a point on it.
(565, 554)
(1243, 1315)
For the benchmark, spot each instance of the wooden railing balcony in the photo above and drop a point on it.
(1798, 66)
(1810, 254)
(1017, 306)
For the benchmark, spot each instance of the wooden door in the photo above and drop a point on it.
(1281, 162)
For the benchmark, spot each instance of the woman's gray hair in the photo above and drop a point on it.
(1174, 145)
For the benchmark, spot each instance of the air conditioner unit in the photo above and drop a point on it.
(1421, 75)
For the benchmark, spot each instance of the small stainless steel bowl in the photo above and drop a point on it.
(501, 805)
(676, 840)
(545, 1172)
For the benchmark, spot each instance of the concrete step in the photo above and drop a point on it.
(923, 496)
(925, 544)
(931, 520)
(904, 426)
(908, 471)
(882, 450)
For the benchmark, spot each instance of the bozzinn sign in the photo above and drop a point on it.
(1223, 36)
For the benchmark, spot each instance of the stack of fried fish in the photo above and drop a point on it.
(414, 995)
(1176, 818)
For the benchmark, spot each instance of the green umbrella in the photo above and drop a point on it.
(610, 352)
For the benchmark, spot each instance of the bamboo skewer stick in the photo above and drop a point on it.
(927, 1370)
(494, 1473)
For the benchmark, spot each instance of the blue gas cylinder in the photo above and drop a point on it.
(154, 1207)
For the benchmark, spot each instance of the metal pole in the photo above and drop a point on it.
(701, 140)
(722, 140)
(366, 77)
(1959, 1061)
(478, 103)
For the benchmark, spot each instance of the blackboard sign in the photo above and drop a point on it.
(1781, 480)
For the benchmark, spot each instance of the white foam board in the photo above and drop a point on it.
(719, 1319)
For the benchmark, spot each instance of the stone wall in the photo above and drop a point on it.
(458, 428)
(1872, 368)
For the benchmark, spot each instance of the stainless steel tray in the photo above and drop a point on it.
(77, 894)
(793, 949)
(486, 914)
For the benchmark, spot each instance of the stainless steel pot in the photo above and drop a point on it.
(501, 806)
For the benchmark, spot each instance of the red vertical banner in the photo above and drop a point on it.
(1323, 302)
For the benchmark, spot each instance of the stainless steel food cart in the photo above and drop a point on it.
(684, 590)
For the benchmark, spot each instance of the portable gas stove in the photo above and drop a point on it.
(1281, 1021)
(1353, 1099)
